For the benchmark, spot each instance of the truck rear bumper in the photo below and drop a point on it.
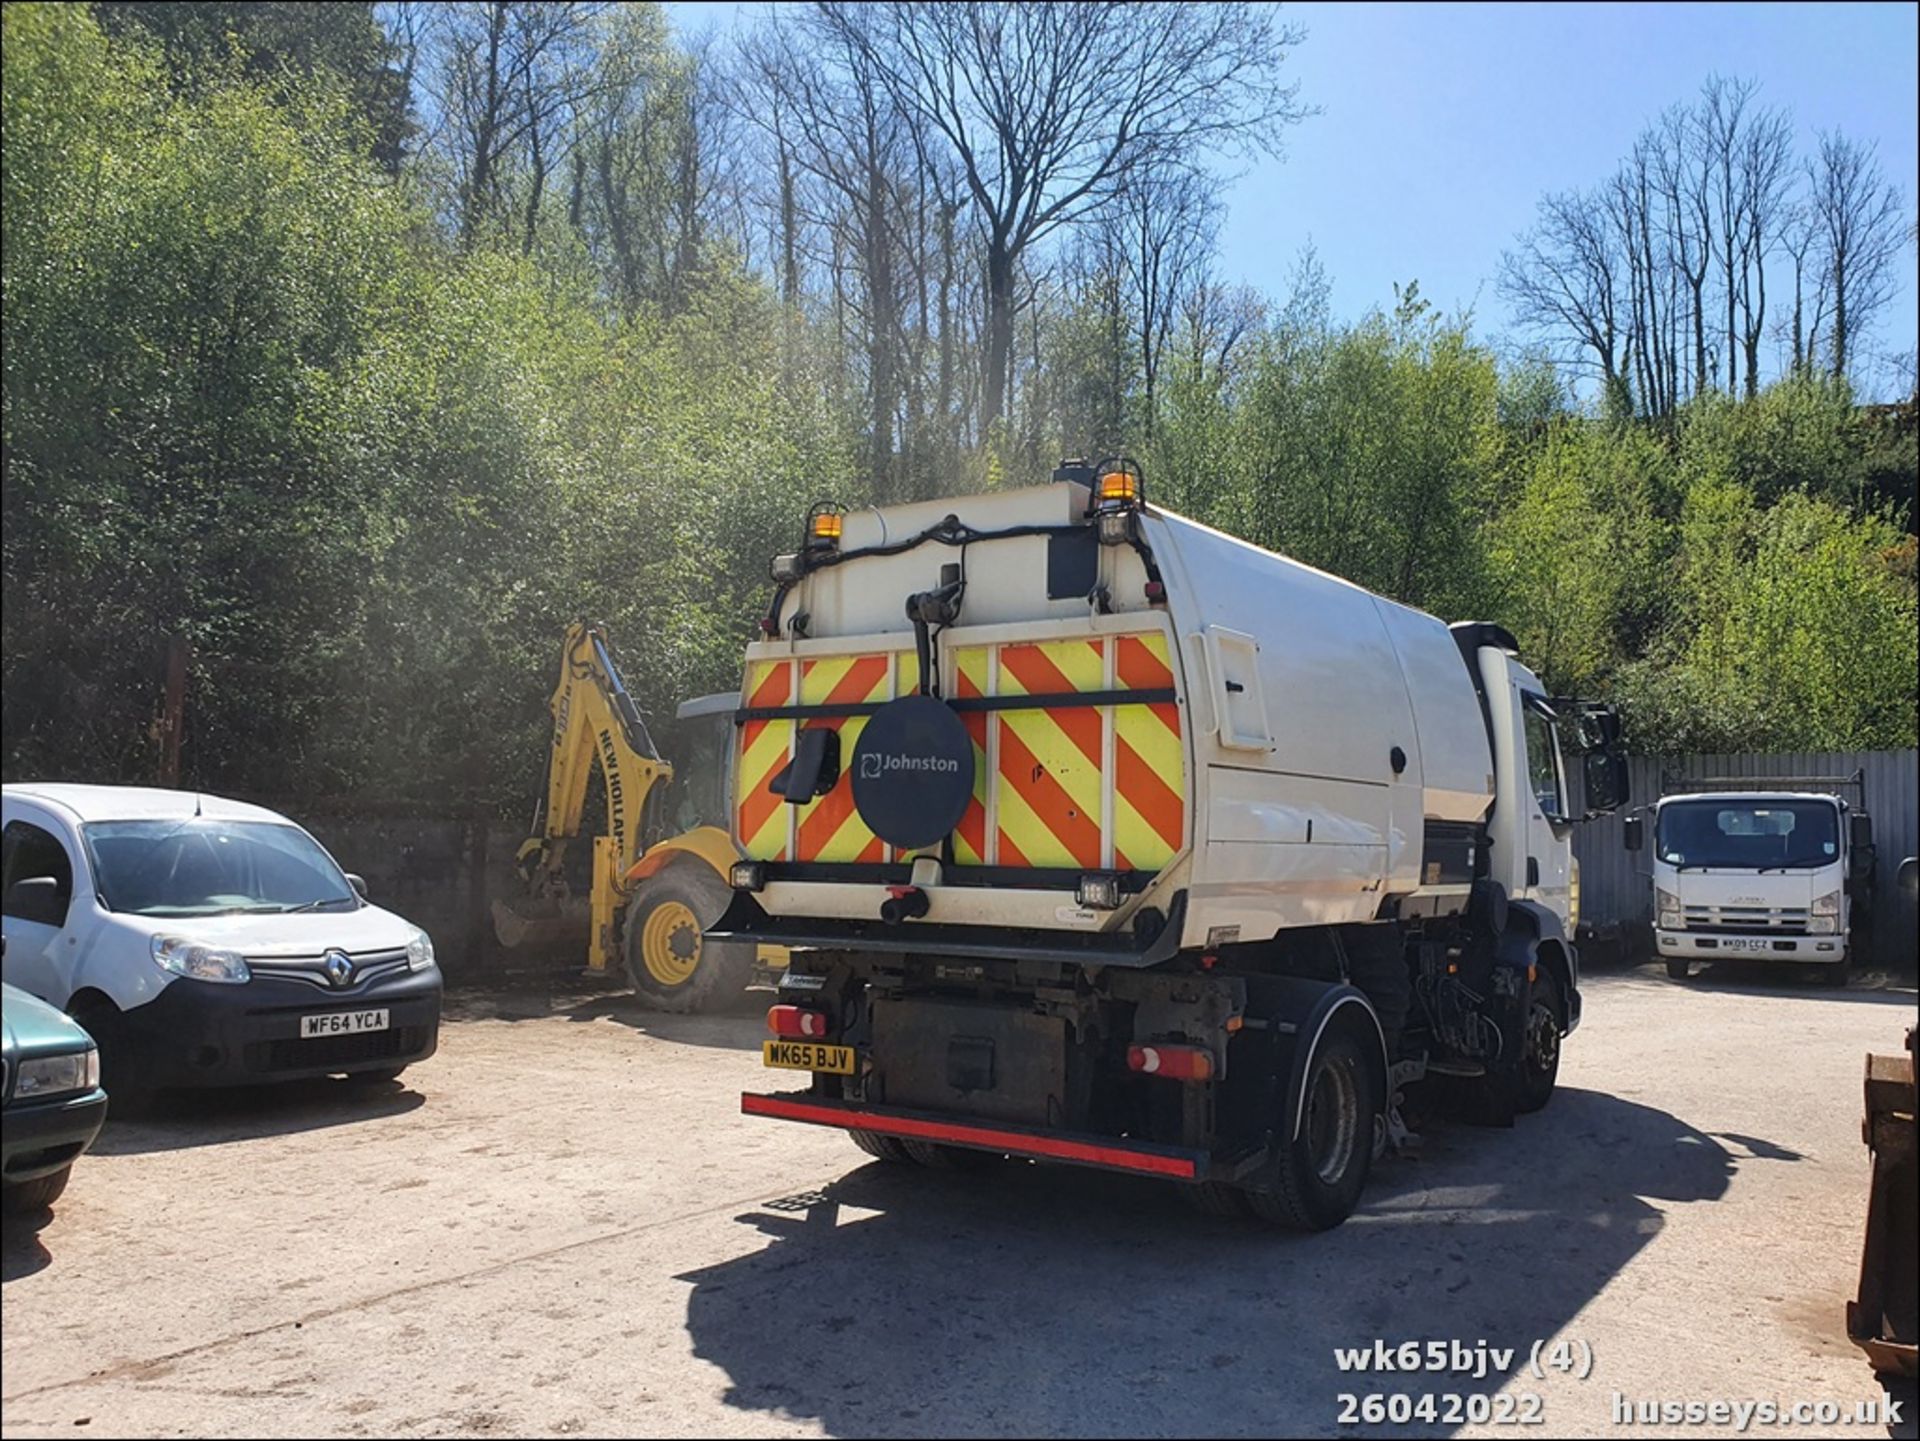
(1695, 945)
(1106, 1153)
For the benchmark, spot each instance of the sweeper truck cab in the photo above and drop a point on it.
(1107, 838)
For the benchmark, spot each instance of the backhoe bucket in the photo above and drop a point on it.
(541, 924)
(1885, 1320)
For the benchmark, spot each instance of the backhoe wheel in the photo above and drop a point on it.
(1545, 1026)
(881, 1148)
(672, 966)
(1318, 1178)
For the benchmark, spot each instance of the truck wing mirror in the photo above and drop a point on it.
(1604, 773)
(1634, 832)
(1860, 831)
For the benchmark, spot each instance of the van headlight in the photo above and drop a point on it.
(1668, 905)
(419, 952)
(56, 1075)
(200, 962)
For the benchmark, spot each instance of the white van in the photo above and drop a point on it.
(206, 942)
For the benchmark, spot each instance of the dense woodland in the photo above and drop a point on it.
(361, 348)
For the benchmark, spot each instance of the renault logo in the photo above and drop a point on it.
(339, 968)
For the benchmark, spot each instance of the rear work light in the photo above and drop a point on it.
(796, 1021)
(1098, 891)
(747, 875)
(1175, 1063)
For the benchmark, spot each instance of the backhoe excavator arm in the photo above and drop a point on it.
(594, 719)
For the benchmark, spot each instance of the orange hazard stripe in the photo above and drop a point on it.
(830, 828)
(1073, 831)
(1038, 675)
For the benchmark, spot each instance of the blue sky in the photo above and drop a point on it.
(1442, 125)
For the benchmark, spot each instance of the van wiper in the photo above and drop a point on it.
(312, 905)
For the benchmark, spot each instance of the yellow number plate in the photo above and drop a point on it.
(808, 1056)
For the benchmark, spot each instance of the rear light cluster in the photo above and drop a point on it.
(797, 1022)
(1175, 1063)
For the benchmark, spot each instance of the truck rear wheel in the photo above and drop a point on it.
(881, 1148)
(947, 1158)
(672, 966)
(1214, 1198)
(1318, 1178)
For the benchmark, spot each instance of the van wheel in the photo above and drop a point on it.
(18, 1197)
(1319, 1176)
(377, 1077)
(1677, 970)
(881, 1148)
(1541, 1067)
(672, 966)
(126, 1065)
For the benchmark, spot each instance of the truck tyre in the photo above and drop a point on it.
(1214, 1198)
(1546, 1023)
(672, 966)
(881, 1148)
(18, 1197)
(936, 1157)
(1835, 973)
(1677, 970)
(1320, 1173)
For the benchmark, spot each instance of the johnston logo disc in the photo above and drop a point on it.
(912, 772)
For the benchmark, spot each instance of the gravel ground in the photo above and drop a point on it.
(562, 1225)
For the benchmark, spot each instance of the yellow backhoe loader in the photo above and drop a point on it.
(647, 904)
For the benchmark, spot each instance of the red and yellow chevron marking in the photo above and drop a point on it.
(1051, 762)
(830, 829)
(1075, 788)
(1149, 814)
(765, 745)
(970, 665)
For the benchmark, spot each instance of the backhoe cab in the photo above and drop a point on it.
(647, 904)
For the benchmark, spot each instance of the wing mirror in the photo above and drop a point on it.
(37, 899)
(1604, 774)
(359, 884)
(1634, 832)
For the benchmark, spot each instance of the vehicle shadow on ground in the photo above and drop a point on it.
(21, 1252)
(1757, 978)
(738, 1025)
(1048, 1301)
(178, 1120)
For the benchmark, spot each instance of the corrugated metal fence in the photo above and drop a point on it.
(1614, 889)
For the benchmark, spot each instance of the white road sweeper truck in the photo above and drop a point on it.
(1103, 837)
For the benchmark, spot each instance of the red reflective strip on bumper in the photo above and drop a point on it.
(1018, 1143)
